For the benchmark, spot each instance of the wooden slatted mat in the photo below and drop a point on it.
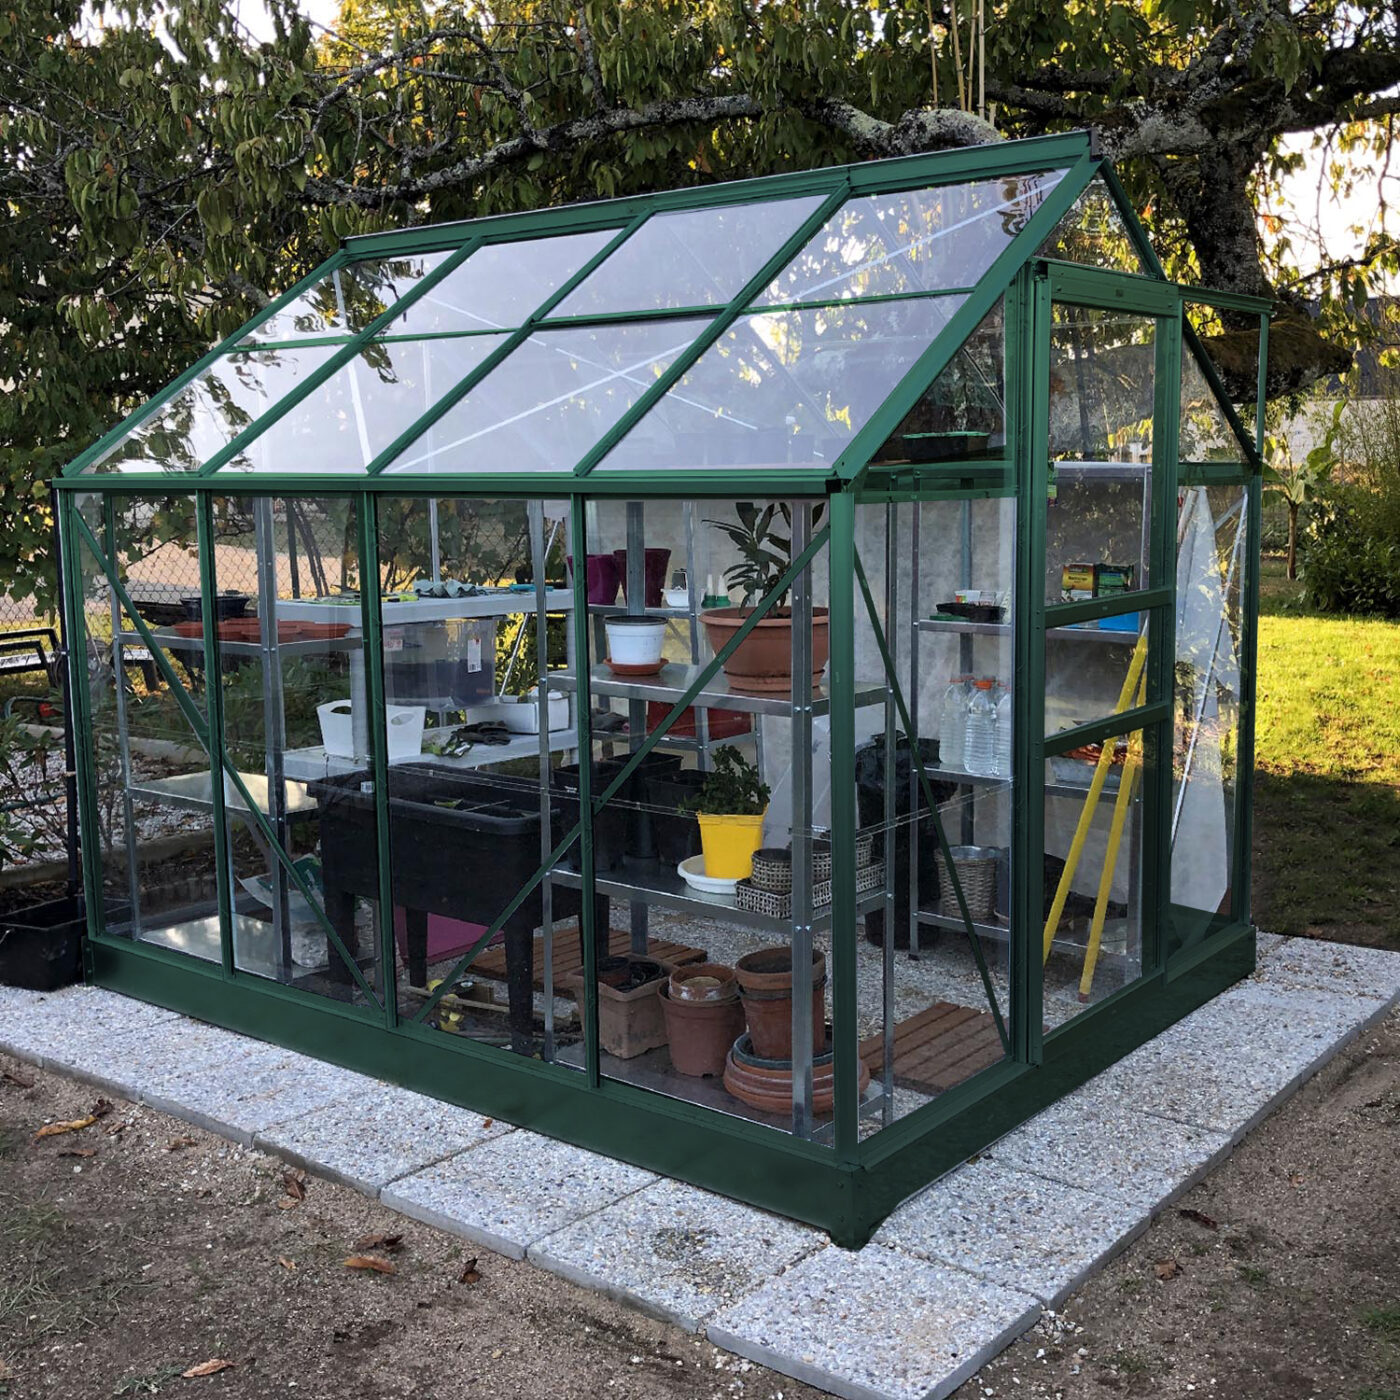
(937, 1048)
(568, 956)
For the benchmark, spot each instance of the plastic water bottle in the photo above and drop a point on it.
(953, 726)
(979, 750)
(1005, 724)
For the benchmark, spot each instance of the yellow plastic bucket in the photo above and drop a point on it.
(729, 843)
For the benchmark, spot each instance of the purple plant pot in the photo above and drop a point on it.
(654, 568)
(602, 577)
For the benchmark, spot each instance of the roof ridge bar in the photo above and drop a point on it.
(671, 376)
(340, 258)
(337, 361)
(992, 160)
(991, 287)
(510, 341)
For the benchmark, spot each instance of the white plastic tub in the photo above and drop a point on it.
(523, 716)
(403, 724)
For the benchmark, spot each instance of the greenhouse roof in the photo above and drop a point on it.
(771, 329)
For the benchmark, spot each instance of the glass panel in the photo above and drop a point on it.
(348, 300)
(1206, 433)
(1094, 669)
(732, 1054)
(1093, 233)
(550, 400)
(926, 1023)
(1210, 581)
(347, 421)
(150, 770)
(963, 414)
(787, 388)
(501, 284)
(1093, 878)
(1102, 373)
(281, 672)
(917, 241)
(1231, 340)
(211, 410)
(470, 797)
(700, 257)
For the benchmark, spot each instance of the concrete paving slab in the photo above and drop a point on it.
(373, 1138)
(877, 1325)
(509, 1193)
(1014, 1228)
(69, 1027)
(1302, 964)
(676, 1252)
(270, 1086)
(1096, 1142)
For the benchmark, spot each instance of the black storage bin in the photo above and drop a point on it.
(675, 834)
(41, 948)
(610, 826)
(870, 806)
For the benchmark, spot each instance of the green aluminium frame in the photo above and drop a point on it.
(848, 1185)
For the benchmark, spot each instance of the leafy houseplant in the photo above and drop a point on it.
(763, 660)
(730, 808)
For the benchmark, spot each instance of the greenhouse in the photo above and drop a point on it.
(532, 647)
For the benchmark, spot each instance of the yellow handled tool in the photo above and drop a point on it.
(1131, 686)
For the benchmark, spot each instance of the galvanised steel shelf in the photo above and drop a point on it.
(674, 680)
(653, 884)
(305, 646)
(1005, 629)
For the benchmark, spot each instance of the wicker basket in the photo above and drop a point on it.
(772, 870)
(976, 868)
(774, 905)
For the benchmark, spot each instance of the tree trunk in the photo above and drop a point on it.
(1292, 541)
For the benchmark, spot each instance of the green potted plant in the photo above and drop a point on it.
(730, 807)
(763, 660)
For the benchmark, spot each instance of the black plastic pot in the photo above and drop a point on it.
(226, 606)
(870, 807)
(41, 947)
(641, 826)
(609, 826)
(674, 833)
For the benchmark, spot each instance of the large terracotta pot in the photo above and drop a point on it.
(763, 662)
(700, 1033)
(765, 984)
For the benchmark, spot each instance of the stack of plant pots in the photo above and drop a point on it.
(703, 1017)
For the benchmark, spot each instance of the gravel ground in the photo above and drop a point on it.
(168, 1248)
(1277, 1278)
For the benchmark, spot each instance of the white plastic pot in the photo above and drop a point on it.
(403, 725)
(523, 716)
(635, 641)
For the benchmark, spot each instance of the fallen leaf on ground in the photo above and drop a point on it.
(486, 1122)
(368, 1261)
(78, 1152)
(288, 1264)
(1295, 1180)
(1200, 1217)
(212, 1367)
(17, 1081)
(175, 1144)
(75, 1125)
(294, 1184)
(5, 1373)
(470, 1273)
(1167, 1268)
(386, 1244)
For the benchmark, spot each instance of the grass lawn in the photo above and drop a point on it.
(1327, 803)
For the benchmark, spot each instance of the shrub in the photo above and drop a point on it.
(1351, 550)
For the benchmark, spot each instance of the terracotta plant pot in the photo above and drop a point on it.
(765, 984)
(629, 1010)
(704, 982)
(766, 1084)
(701, 1032)
(763, 662)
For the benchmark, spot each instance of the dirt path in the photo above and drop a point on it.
(169, 1247)
(1277, 1278)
